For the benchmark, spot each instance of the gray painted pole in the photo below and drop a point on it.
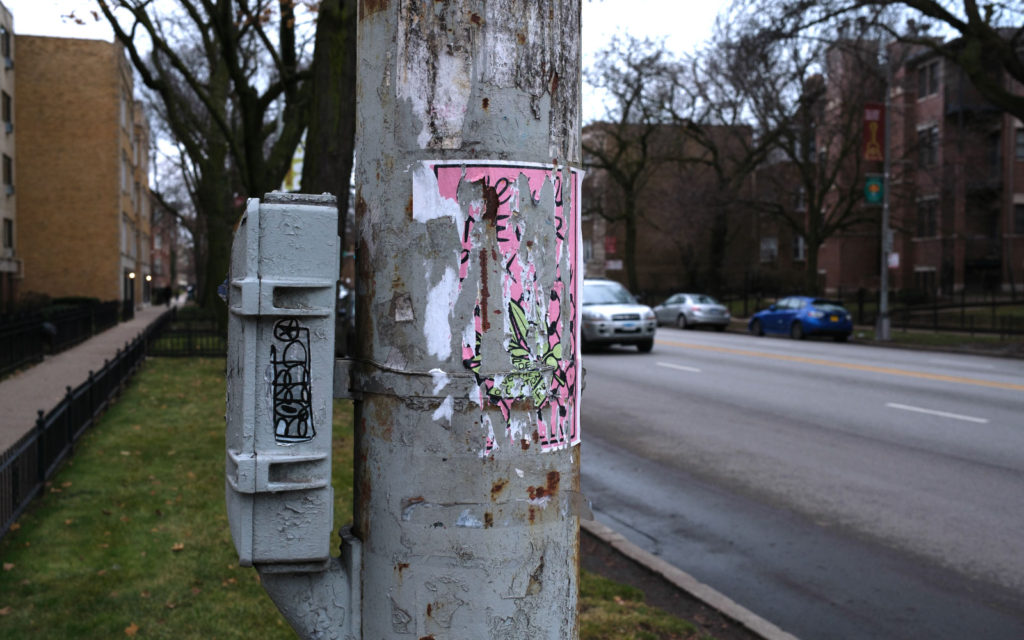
(467, 372)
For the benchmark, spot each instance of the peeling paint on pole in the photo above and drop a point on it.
(467, 365)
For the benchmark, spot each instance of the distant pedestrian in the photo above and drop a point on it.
(167, 295)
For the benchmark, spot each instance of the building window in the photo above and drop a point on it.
(800, 204)
(769, 249)
(928, 79)
(1019, 144)
(924, 280)
(8, 233)
(124, 172)
(928, 146)
(5, 47)
(7, 111)
(8, 174)
(927, 218)
(1018, 219)
(799, 249)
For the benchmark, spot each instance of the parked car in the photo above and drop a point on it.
(688, 310)
(611, 315)
(802, 316)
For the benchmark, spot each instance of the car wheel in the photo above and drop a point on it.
(796, 331)
(645, 346)
(843, 337)
(755, 328)
(681, 321)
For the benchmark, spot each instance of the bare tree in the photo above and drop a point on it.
(985, 40)
(234, 83)
(630, 145)
(803, 93)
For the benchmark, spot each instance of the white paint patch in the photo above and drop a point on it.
(486, 419)
(427, 201)
(444, 412)
(469, 521)
(933, 412)
(540, 502)
(440, 380)
(678, 367)
(440, 301)
(440, 98)
(519, 472)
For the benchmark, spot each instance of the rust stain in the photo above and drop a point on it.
(402, 566)
(408, 207)
(525, 444)
(554, 82)
(491, 202)
(532, 515)
(486, 103)
(369, 7)
(488, 520)
(520, 37)
(476, 19)
(485, 294)
(430, 612)
(554, 478)
(498, 487)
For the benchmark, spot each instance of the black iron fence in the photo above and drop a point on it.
(29, 463)
(189, 333)
(26, 338)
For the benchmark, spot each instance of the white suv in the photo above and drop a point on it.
(611, 315)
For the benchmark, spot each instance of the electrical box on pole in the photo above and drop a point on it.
(281, 293)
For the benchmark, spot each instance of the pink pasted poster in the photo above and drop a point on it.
(541, 322)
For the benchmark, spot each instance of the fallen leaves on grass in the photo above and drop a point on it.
(131, 630)
(178, 546)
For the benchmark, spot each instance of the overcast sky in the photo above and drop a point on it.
(684, 24)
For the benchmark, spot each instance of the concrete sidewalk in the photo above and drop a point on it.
(42, 385)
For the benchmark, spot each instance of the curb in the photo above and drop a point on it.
(686, 583)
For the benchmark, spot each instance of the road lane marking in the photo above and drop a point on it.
(678, 366)
(950, 363)
(933, 412)
(845, 365)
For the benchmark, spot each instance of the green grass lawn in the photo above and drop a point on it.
(131, 536)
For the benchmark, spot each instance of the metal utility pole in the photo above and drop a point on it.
(468, 280)
(466, 374)
(882, 323)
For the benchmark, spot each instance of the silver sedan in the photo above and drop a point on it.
(688, 310)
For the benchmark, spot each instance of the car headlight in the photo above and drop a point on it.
(648, 315)
(594, 316)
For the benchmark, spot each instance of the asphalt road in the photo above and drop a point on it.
(838, 490)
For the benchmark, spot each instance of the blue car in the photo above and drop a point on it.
(802, 316)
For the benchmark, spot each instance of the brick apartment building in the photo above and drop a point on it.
(10, 265)
(958, 193)
(83, 197)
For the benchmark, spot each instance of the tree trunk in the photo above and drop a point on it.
(327, 166)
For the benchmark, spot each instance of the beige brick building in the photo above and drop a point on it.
(83, 195)
(10, 266)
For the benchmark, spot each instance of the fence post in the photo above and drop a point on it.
(41, 447)
(69, 422)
